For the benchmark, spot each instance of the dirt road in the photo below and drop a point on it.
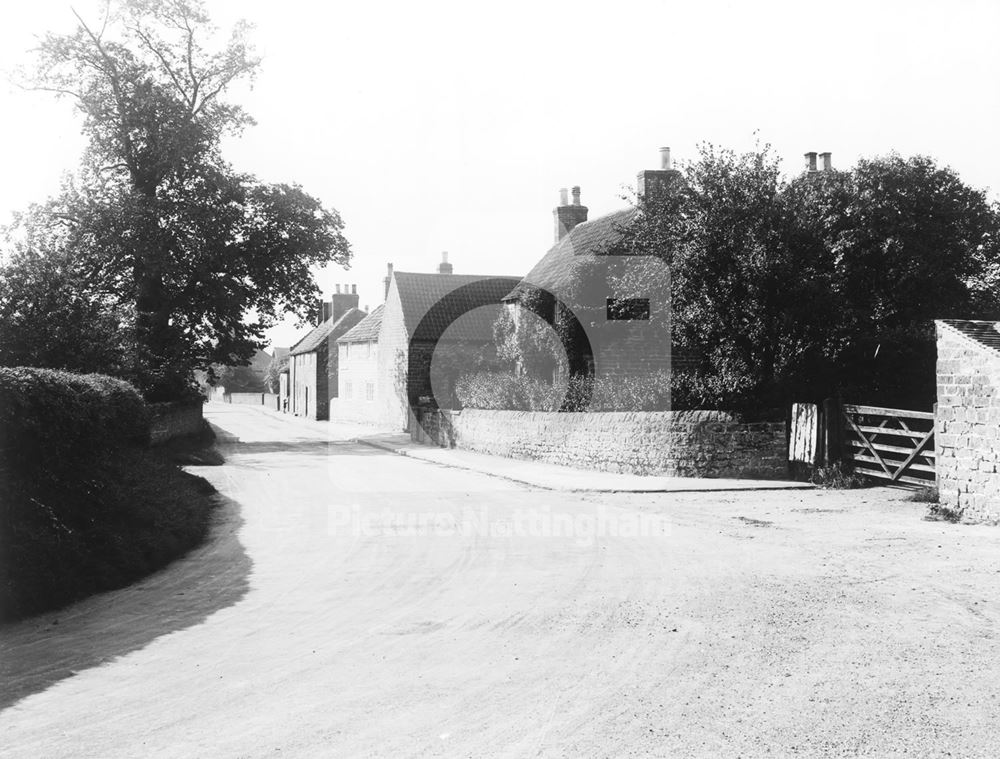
(356, 603)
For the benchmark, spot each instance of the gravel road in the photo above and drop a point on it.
(356, 603)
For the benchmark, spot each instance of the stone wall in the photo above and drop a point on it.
(675, 443)
(170, 420)
(967, 426)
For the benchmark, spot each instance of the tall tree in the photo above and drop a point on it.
(828, 283)
(205, 257)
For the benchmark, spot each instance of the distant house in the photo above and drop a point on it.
(358, 371)
(604, 332)
(312, 367)
(422, 313)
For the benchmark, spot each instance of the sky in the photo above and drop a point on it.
(451, 126)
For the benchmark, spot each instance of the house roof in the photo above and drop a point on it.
(986, 333)
(555, 271)
(442, 298)
(365, 330)
(315, 338)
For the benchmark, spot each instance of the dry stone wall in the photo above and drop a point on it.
(675, 443)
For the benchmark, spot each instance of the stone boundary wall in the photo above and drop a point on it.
(170, 420)
(967, 426)
(673, 443)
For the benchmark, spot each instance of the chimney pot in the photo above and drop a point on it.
(337, 289)
(563, 197)
(444, 267)
(576, 195)
(811, 161)
(388, 279)
(827, 161)
(665, 159)
(354, 289)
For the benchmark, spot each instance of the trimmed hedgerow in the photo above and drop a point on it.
(85, 506)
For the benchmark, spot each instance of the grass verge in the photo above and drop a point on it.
(64, 540)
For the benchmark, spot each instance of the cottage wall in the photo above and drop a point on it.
(391, 408)
(304, 385)
(967, 426)
(357, 373)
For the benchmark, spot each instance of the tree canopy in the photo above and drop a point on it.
(823, 284)
(189, 258)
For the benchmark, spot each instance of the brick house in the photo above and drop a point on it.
(312, 366)
(422, 313)
(605, 332)
(967, 418)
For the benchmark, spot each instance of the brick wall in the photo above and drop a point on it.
(170, 420)
(967, 426)
(676, 443)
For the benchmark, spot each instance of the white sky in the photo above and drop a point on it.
(436, 126)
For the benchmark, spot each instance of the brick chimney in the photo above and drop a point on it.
(827, 159)
(388, 279)
(568, 215)
(654, 180)
(325, 309)
(811, 161)
(444, 267)
(343, 302)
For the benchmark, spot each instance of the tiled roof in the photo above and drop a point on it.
(314, 339)
(446, 296)
(364, 330)
(556, 270)
(983, 332)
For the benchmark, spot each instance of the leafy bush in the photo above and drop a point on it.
(501, 390)
(505, 391)
(84, 506)
(838, 477)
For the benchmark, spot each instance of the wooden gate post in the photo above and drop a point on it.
(833, 432)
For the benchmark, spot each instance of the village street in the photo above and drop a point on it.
(352, 602)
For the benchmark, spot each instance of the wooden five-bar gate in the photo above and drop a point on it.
(890, 444)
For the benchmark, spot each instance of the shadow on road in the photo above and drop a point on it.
(39, 652)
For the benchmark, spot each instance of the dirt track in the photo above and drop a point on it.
(356, 603)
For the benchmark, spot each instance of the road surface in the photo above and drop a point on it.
(355, 603)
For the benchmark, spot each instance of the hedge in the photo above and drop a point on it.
(84, 504)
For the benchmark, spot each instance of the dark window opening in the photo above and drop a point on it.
(628, 309)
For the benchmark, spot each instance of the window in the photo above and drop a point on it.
(368, 349)
(369, 391)
(347, 389)
(628, 309)
(347, 350)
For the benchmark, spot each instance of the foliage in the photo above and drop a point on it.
(56, 425)
(508, 391)
(522, 392)
(51, 316)
(272, 378)
(84, 506)
(193, 259)
(822, 285)
(925, 495)
(240, 379)
(837, 476)
(450, 361)
(531, 346)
